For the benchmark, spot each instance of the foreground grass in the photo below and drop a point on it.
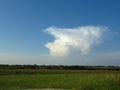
(71, 81)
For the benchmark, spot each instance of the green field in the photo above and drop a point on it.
(64, 79)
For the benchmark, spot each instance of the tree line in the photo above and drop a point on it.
(72, 67)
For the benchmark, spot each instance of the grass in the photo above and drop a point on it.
(78, 80)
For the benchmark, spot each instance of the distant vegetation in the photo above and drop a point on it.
(16, 77)
(74, 67)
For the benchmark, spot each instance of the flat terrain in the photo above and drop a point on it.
(59, 79)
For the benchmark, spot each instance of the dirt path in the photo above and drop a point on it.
(44, 89)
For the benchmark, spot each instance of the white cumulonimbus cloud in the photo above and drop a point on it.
(81, 38)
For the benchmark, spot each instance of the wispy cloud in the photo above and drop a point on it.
(81, 38)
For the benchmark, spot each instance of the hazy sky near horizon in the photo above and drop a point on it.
(68, 32)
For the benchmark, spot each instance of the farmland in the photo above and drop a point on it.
(71, 79)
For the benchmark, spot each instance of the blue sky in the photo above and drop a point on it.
(24, 24)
